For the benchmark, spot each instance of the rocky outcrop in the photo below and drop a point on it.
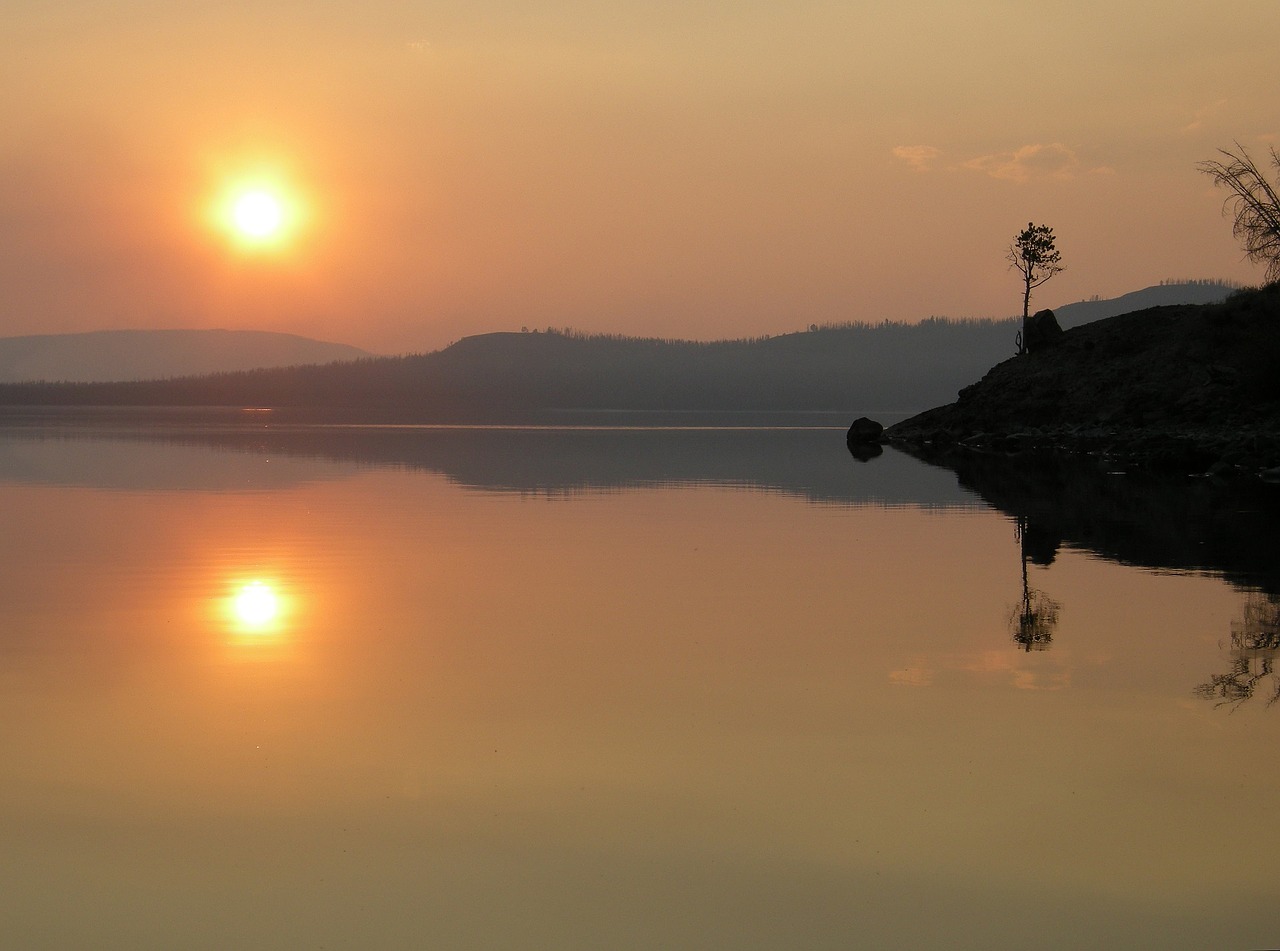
(864, 438)
(1193, 388)
(1040, 331)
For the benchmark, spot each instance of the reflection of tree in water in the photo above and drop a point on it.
(1255, 641)
(1034, 619)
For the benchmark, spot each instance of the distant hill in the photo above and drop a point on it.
(886, 368)
(506, 377)
(122, 355)
(1162, 295)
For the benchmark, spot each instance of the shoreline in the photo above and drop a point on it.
(1223, 453)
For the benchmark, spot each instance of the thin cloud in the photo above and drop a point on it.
(919, 157)
(1030, 161)
(1201, 114)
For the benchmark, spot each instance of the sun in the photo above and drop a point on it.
(258, 214)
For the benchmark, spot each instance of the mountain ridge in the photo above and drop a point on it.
(107, 356)
(1166, 294)
(508, 377)
(505, 377)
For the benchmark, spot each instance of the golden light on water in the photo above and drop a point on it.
(258, 616)
(256, 607)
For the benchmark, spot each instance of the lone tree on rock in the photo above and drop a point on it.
(1255, 205)
(1034, 256)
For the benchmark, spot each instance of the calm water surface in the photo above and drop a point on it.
(519, 689)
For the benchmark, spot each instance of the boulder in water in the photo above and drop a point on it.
(864, 431)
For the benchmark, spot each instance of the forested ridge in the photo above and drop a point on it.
(853, 366)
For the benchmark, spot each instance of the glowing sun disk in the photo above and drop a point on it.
(258, 214)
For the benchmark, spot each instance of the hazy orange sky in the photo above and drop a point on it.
(685, 169)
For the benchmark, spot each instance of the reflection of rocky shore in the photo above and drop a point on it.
(1255, 642)
(1140, 519)
(1171, 522)
(150, 450)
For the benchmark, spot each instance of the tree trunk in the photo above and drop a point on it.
(1026, 310)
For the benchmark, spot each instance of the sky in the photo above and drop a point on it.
(697, 169)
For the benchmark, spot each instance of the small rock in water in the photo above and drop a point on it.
(864, 431)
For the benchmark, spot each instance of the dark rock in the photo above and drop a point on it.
(1224, 470)
(1241, 458)
(1040, 331)
(864, 431)
(1223, 374)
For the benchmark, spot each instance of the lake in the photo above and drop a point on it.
(283, 687)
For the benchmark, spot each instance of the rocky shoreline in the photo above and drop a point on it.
(1192, 389)
(1238, 452)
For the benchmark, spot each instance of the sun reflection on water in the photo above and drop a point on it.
(257, 609)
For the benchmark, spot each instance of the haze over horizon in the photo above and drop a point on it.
(398, 177)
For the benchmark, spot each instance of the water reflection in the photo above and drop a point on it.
(652, 718)
(255, 608)
(259, 617)
(1036, 616)
(809, 463)
(1162, 523)
(1255, 640)
(1151, 521)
